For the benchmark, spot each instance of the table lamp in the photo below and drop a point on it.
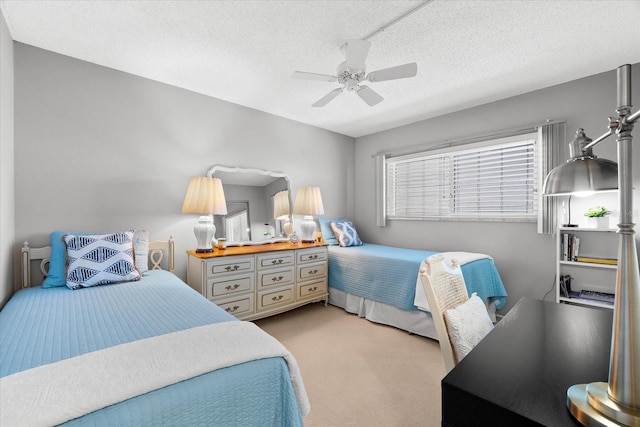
(282, 210)
(308, 203)
(205, 196)
(618, 401)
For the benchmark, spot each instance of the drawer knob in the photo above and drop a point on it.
(277, 279)
(277, 298)
(232, 309)
(232, 268)
(234, 287)
(277, 261)
(313, 271)
(314, 256)
(315, 288)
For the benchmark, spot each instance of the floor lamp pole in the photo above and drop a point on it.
(618, 401)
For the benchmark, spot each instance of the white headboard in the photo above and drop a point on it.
(157, 250)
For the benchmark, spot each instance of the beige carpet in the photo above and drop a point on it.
(358, 373)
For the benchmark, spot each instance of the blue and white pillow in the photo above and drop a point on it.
(327, 233)
(99, 259)
(346, 233)
(57, 275)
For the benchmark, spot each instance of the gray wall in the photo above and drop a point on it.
(525, 259)
(7, 233)
(100, 149)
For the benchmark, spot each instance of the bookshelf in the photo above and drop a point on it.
(586, 265)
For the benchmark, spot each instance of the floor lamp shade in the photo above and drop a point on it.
(205, 197)
(308, 203)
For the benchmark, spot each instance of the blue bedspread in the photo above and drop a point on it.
(40, 326)
(388, 274)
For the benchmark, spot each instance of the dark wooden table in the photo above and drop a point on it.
(519, 374)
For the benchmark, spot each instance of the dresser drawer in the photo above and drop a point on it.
(242, 306)
(310, 271)
(282, 276)
(311, 255)
(310, 289)
(267, 300)
(275, 259)
(221, 286)
(229, 265)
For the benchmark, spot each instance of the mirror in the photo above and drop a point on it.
(254, 197)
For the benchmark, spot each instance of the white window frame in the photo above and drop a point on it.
(446, 206)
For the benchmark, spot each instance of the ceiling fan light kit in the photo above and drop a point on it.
(352, 72)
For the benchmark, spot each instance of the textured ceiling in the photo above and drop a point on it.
(468, 52)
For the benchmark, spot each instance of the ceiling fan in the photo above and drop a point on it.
(352, 72)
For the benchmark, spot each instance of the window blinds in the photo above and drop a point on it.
(490, 180)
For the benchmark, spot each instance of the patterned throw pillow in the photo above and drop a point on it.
(58, 263)
(346, 233)
(99, 259)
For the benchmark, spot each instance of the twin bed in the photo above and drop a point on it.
(145, 352)
(381, 283)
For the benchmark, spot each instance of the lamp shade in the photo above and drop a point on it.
(582, 173)
(281, 208)
(205, 196)
(308, 201)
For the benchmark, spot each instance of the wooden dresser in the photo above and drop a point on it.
(257, 281)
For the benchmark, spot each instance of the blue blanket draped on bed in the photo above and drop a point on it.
(41, 326)
(388, 274)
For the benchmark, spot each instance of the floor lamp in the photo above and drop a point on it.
(618, 401)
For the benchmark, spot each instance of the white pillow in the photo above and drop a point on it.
(141, 249)
(467, 325)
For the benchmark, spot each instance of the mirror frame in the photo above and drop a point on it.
(220, 168)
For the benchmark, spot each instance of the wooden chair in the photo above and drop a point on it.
(445, 289)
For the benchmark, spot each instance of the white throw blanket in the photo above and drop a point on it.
(61, 391)
(462, 258)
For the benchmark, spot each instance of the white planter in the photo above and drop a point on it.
(598, 222)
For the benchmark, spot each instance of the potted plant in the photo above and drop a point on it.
(597, 217)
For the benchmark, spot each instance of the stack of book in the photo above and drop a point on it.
(594, 260)
(602, 297)
(569, 247)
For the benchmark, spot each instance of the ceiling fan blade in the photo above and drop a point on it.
(303, 75)
(369, 95)
(355, 52)
(393, 73)
(327, 98)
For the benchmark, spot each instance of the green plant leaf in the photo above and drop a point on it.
(596, 212)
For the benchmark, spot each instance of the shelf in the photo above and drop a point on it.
(588, 302)
(602, 230)
(589, 264)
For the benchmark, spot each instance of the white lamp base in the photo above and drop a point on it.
(204, 231)
(307, 229)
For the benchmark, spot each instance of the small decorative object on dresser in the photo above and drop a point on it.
(257, 281)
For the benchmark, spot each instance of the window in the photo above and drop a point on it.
(491, 180)
(237, 226)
